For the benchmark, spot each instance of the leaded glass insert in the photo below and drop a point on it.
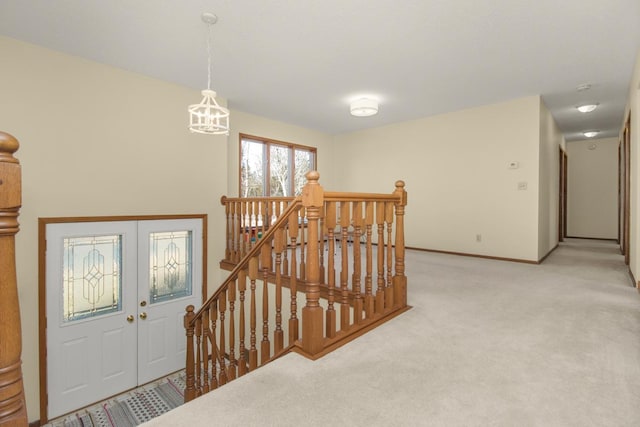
(92, 276)
(170, 263)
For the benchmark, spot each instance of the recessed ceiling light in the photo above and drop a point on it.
(583, 87)
(591, 133)
(364, 107)
(587, 108)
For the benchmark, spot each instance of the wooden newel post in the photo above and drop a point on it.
(13, 410)
(312, 313)
(190, 390)
(400, 280)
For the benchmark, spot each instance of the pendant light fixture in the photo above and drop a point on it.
(208, 117)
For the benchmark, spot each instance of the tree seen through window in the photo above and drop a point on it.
(273, 168)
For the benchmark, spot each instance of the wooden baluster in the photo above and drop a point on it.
(345, 222)
(380, 265)
(323, 232)
(239, 232)
(368, 280)
(330, 223)
(278, 334)
(265, 345)
(189, 391)
(357, 262)
(13, 410)
(302, 226)
(312, 327)
(245, 229)
(232, 229)
(206, 336)
(253, 351)
(215, 352)
(231, 371)
(266, 220)
(228, 217)
(250, 222)
(285, 255)
(400, 280)
(254, 222)
(242, 287)
(222, 306)
(278, 209)
(198, 356)
(261, 218)
(293, 279)
(235, 231)
(388, 291)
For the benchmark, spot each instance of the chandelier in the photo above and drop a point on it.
(208, 117)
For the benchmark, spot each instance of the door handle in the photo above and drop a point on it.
(130, 318)
(143, 315)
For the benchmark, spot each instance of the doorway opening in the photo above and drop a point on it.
(113, 293)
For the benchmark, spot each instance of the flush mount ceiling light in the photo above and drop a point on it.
(208, 117)
(364, 107)
(591, 133)
(587, 108)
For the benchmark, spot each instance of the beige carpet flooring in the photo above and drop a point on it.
(487, 343)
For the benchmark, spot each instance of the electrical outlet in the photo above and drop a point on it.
(478, 237)
(522, 185)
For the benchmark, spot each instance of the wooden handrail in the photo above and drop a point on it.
(252, 253)
(362, 197)
(13, 410)
(347, 248)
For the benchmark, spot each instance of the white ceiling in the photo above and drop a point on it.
(302, 61)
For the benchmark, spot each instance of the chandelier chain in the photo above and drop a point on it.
(209, 25)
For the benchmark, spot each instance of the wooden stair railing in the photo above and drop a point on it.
(320, 245)
(13, 410)
(247, 219)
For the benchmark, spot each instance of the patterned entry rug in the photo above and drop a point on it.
(132, 408)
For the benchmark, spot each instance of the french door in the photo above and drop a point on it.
(116, 294)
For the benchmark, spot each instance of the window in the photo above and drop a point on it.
(271, 168)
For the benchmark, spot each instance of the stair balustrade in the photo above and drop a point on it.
(342, 252)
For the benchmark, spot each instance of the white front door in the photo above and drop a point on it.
(169, 279)
(115, 299)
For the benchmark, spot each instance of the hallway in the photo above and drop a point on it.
(486, 343)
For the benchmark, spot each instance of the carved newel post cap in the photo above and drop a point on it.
(401, 191)
(313, 176)
(8, 145)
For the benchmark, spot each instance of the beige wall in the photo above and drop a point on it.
(110, 142)
(259, 126)
(551, 140)
(634, 108)
(592, 188)
(457, 177)
(96, 140)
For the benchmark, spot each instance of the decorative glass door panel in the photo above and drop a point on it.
(170, 262)
(91, 276)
